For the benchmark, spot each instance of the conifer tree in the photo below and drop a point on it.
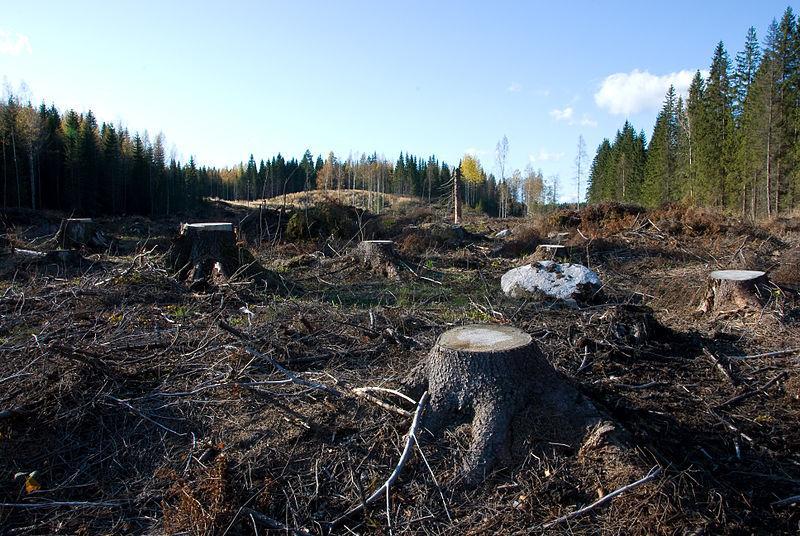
(659, 178)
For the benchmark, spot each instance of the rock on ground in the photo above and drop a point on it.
(568, 282)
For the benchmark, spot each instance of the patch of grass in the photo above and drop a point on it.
(177, 312)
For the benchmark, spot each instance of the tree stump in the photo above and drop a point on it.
(379, 256)
(549, 252)
(492, 373)
(734, 290)
(204, 251)
(75, 233)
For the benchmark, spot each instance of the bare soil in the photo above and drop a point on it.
(126, 409)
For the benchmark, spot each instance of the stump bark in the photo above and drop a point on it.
(75, 233)
(491, 374)
(734, 290)
(379, 256)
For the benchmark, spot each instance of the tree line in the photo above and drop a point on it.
(70, 162)
(731, 144)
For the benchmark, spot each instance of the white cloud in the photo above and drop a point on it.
(562, 115)
(474, 151)
(546, 156)
(14, 44)
(515, 87)
(587, 121)
(637, 91)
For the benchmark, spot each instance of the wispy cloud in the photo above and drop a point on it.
(568, 116)
(542, 92)
(14, 44)
(546, 156)
(474, 151)
(638, 91)
(515, 87)
(563, 114)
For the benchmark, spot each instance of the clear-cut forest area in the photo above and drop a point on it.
(331, 345)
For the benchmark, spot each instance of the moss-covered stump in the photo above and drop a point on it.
(75, 233)
(207, 253)
(492, 375)
(379, 257)
(734, 290)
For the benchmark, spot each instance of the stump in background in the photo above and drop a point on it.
(75, 233)
(494, 372)
(204, 251)
(734, 290)
(379, 256)
(549, 252)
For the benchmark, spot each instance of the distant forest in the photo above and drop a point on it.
(732, 144)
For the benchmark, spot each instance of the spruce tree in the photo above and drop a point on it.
(659, 175)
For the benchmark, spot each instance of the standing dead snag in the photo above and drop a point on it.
(492, 373)
(379, 256)
(206, 252)
(733, 290)
(80, 232)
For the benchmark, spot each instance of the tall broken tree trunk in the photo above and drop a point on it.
(75, 233)
(456, 197)
(379, 256)
(734, 290)
(491, 373)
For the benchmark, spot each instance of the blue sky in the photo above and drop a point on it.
(226, 79)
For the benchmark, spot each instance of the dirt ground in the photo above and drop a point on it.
(129, 404)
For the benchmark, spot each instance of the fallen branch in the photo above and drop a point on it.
(60, 504)
(768, 354)
(749, 394)
(143, 416)
(720, 367)
(787, 501)
(411, 437)
(283, 370)
(651, 475)
(363, 392)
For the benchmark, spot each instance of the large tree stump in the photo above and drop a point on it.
(203, 252)
(492, 373)
(734, 290)
(75, 233)
(379, 256)
(206, 253)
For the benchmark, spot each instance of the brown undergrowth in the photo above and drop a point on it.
(139, 415)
